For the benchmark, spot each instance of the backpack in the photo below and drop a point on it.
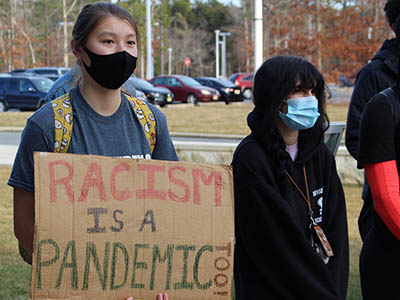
(63, 119)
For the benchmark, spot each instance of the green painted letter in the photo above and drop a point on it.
(208, 284)
(91, 251)
(72, 264)
(114, 263)
(184, 284)
(138, 265)
(40, 264)
(168, 254)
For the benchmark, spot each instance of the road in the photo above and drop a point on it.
(9, 142)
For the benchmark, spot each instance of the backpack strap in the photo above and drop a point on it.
(146, 118)
(63, 130)
(393, 100)
(62, 122)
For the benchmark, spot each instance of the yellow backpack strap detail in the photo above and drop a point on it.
(63, 130)
(146, 118)
(62, 122)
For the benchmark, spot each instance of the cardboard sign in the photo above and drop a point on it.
(110, 228)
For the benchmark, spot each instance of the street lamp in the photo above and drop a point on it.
(149, 38)
(218, 33)
(223, 52)
(169, 60)
(217, 53)
(258, 34)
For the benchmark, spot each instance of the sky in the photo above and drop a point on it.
(226, 2)
(234, 2)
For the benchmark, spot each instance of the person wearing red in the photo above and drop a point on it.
(379, 156)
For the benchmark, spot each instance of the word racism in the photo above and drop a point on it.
(94, 179)
(107, 228)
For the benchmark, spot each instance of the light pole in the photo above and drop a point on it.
(258, 34)
(217, 53)
(169, 60)
(218, 33)
(223, 52)
(149, 73)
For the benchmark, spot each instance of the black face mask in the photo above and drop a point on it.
(112, 70)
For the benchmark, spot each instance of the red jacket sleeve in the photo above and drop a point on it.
(383, 179)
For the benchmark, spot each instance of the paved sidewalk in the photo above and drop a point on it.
(7, 154)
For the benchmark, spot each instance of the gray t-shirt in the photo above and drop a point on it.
(119, 135)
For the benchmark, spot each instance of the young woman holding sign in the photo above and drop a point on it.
(105, 122)
(290, 213)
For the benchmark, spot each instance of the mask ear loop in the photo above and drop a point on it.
(284, 101)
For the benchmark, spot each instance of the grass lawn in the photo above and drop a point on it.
(205, 118)
(15, 274)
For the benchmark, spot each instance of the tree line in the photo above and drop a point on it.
(339, 36)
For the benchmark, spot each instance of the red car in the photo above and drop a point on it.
(186, 89)
(245, 81)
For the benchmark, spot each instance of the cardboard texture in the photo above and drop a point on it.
(110, 228)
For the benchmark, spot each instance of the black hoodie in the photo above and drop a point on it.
(374, 77)
(274, 258)
(379, 74)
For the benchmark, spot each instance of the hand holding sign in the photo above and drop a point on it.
(163, 296)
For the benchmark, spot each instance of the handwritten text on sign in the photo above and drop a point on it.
(107, 228)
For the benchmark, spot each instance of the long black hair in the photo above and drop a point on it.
(274, 81)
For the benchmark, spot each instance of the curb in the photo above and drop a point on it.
(11, 129)
(178, 134)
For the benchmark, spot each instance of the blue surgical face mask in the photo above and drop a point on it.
(302, 113)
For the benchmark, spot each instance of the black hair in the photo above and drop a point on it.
(274, 81)
(392, 11)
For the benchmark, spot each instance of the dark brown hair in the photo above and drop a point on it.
(92, 14)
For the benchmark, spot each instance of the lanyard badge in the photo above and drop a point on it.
(323, 239)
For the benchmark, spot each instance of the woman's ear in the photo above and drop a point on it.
(76, 50)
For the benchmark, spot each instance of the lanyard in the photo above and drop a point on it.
(307, 199)
(317, 229)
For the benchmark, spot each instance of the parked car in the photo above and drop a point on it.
(52, 73)
(25, 93)
(17, 71)
(155, 94)
(186, 89)
(69, 79)
(140, 95)
(229, 92)
(245, 82)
